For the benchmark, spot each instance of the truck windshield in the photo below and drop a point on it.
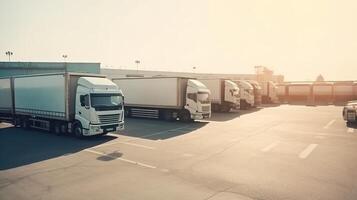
(107, 101)
(203, 97)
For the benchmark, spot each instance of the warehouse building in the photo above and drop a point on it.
(26, 68)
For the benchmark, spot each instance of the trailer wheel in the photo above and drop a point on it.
(78, 130)
(56, 128)
(225, 108)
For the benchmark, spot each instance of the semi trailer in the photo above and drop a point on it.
(83, 104)
(282, 92)
(322, 92)
(224, 94)
(257, 93)
(269, 92)
(299, 92)
(168, 98)
(343, 91)
(246, 94)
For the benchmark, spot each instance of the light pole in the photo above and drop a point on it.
(137, 62)
(193, 69)
(64, 56)
(9, 53)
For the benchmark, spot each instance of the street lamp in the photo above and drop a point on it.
(64, 56)
(137, 62)
(9, 53)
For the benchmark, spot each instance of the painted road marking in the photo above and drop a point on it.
(269, 147)
(163, 132)
(329, 124)
(126, 143)
(121, 159)
(307, 151)
(350, 130)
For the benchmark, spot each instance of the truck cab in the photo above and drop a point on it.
(246, 94)
(198, 101)
(231, 94)
(99, 107)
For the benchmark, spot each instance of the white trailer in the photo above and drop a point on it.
(168, 98)
(269, 92)
(246, 94)
(299, 91)
(85, 104)
(224, 94)
(322, 91)
(343, 91)
(281, 92)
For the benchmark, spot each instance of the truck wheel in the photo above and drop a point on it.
(225, 108)
(78, 130)
(185, 116)
(57, 128)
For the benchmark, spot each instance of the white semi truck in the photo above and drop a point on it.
(224, 94)
(83, 104)
(246, 94)
(349, 112)
(168, 98)
(257, 93)
(269, 92)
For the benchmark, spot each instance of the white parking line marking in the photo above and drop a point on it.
(137, 145)
(121, 159)
(350, 130)
(329, 124)
(269, 147)
(127, 143)
(163, 132)
(307, 151)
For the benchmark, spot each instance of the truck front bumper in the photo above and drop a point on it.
(197, 116)
(99, 129)
(350, 115)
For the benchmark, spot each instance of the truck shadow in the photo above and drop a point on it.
(221, 117)
(22, 147)
(154, 129)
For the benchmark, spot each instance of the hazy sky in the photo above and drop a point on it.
(296, 38)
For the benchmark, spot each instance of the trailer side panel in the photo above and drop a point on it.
(41, 96)
(6, 103)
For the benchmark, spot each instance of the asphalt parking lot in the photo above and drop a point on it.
(273, 153)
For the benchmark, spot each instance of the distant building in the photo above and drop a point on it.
(26, 68)
(320, 78)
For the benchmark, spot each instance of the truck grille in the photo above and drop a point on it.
(109, 119)
(206, 108)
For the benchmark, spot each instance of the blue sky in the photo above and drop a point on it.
(297, 38)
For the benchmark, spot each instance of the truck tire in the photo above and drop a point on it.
(78, 130)
(225, 108)
(185, 116)
(56, 128)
